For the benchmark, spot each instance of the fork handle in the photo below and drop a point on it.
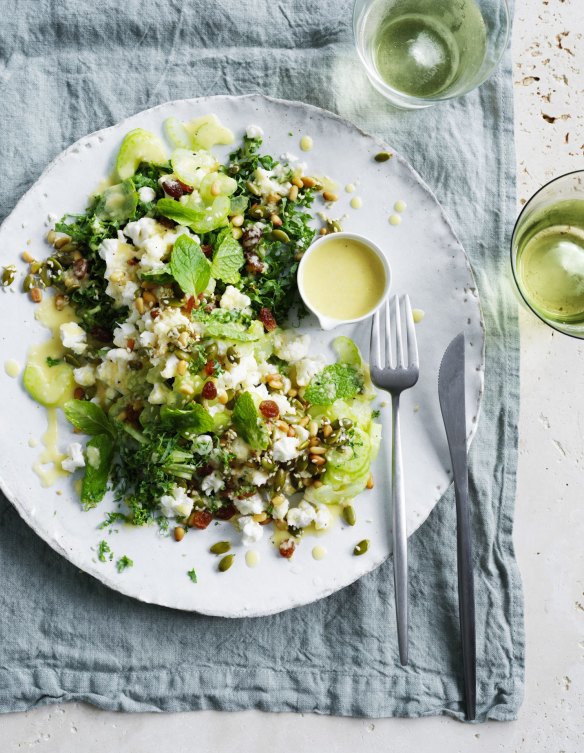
(400, 542)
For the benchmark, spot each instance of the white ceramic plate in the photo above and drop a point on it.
(427, 261)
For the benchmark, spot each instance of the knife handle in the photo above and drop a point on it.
(466, 602)
(400, 542)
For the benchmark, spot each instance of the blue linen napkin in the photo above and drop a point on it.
(70, 68)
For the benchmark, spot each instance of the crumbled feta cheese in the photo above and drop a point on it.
(290, 347)
(244, 375)
(285, 449)
(146, 194)
(281, 510)
(119, 355)
(73, 337)
(259, 478)
(118, 272)
(147, 339)
(75, 458)
(254, 132)
(139, 232)
(212, 483)
(322, 517)
(123, 333)
(158, 395)
(233, 299)
(267, 184)
(251, 531)
(176, 503)
(85, 375)
(307, 368)
(169, 370)
(250, 505)
(301, 433)
(301, 516)
(288, 157)
(240, 449)
(93, 456)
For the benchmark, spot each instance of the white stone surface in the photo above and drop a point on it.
(549, 529)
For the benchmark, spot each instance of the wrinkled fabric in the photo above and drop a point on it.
(69, 68)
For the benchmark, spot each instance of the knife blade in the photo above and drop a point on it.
(451, 392)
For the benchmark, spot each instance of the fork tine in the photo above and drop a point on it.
(375, 343)
(411, 334)
(398, 334)
(388, 348)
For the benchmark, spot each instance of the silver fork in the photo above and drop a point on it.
(396, 374)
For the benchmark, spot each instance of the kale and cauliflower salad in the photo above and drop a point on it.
(198, 401)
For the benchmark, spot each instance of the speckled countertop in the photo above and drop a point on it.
(549, 107)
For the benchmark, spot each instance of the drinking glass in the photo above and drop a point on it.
(547, 254)
(418, 53)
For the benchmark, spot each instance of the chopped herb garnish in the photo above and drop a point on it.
(124, 563)
(192, 575)
(104, 552)
(53, 361)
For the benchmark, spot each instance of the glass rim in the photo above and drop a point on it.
(549, 323)
(427, 101)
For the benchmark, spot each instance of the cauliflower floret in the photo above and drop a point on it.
(285, 449)
(267, 182)
(73, 337)
(147, 339)
(291, 348)
(252, 531)
(301, 516)
(245, 375)
(176, 503)
(212, 483)
(123, 333)
(114, 375)
(250, 505)
(307, 368)
(85, 375)
(118, 272)
(232, 299)
(139, 232)
(75, 458)
(281, 510)
(259, 478)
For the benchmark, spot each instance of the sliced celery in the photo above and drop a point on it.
(139, 146)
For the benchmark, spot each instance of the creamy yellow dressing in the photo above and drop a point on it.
(328, 184)
(306, 143)
(252, 558)
(343, 278)
(12, 368)
(48, 465)
(400, 206)
(319, 553)
(418, 315)
(350, 188)
(356, 202)
(394, 219)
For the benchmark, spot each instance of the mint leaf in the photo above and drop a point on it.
(88, 417)
(339, 381)
(189, 265)
(111, 518)
(247, 424)
(94, 484)
(192, 575)
(194, 419)
(201, 219)
(227, 260)
(231, 331)
(124, 563)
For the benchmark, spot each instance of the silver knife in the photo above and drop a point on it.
(452, 405)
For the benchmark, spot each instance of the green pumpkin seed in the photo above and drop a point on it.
(71, 360)
(345, 423)
(349, 515)
(29, 283)
(8, 275)
(304, 445)
(259, 213)
(279, 479)
(280, 235)
(267, 464)
(220, 547)
(252, 188)
(361, 547)
(226, 562)
(302, 464)
(382, 157)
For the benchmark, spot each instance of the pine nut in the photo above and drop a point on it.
(317, 460)
(222, 397)
(179, 533)
(183, 339)
(292, 393)
(237, 220)
(259, 517)
(329, 196)
(60, 242)
(215, 189)
(313, 428)
(149, 298)
(370, 483)
(293, 193)
(237, 232)
(282, 425)
(317, 483)
(303, 421)
(61, 301)
(275, 220)
(318, 450)
(327, 430)
(36, 294)
(323, 231)
(139, 304)
(51, 237)
(308, 182)
(28, 258)
(314, 442)
(291, 432)
(181, 368)
(297, 182)
(278, 499)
